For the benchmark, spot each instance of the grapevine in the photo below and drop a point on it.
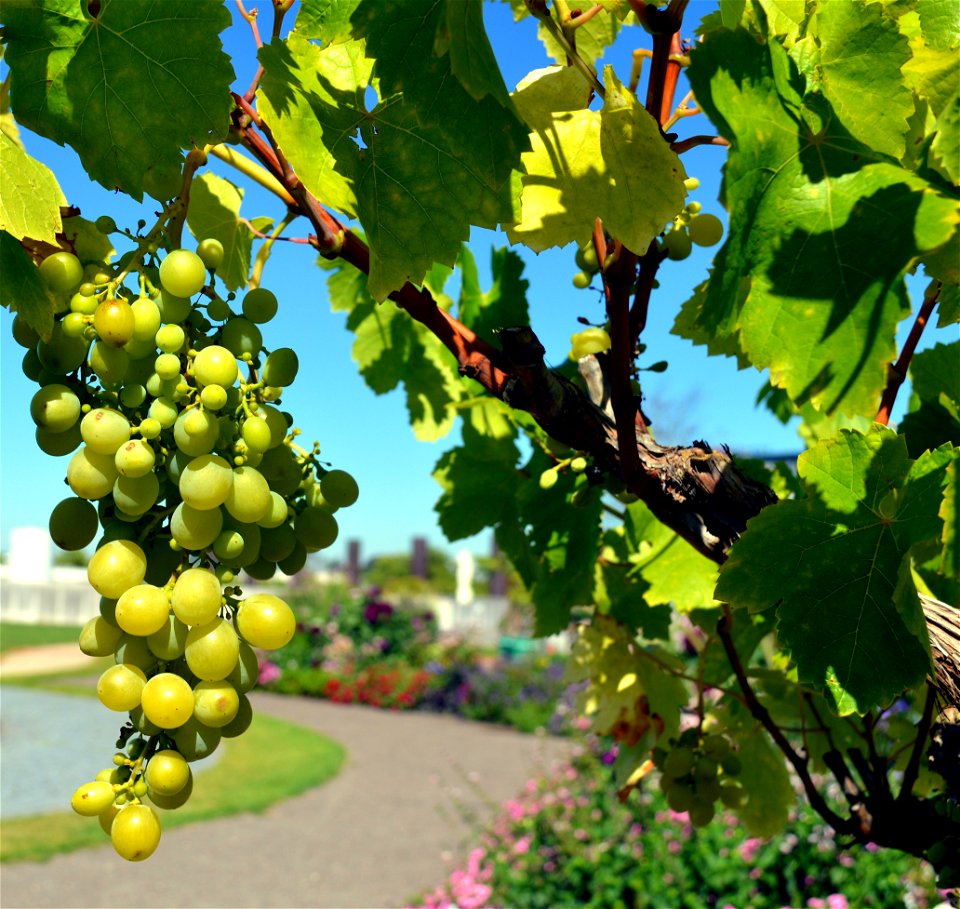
(730, 616)
(163, 395)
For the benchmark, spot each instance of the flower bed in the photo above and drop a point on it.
(566, 843)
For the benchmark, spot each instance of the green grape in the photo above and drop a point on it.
(701, 813)
(108, 610)
(706, 230)
(240, 336)
(693, 208)
(73, 524)
(578, 464)
(23, 332)
(266, 621)
(167, 700)
(141, 723)
(115, 567)
(731, 764)
(248, 498)
(182, 273)
(218, 310)
(228, 545)
(691, 183)
(167, 366)
(213, 397)
(244, 674)
(164, 410)
(210, 251)
(733, 795)
(74, 325)
(196, 597)
(586, 259)
(135, 496)
(212, 650)
(55, 408)
(549, 477)
(281, 470)
(119, 687)
(195, 432)
(175, 464)
(31, 366)
(91, 475)
(194, 529)
(195, 741)
(256, 433)
(215, 703)
(135, 832)
(98, 638)
(134, 458)
(62, 272)
(339, 488)
(170, 338)
(132, 396)
(167, 772)
(705, 769)
(61, 354)
(92, 799)
(241, 722)
(106, 225)
(260, 305)
(114, 322)
(316, 529)
(581, 280)
(171, 307)
(206, 482)
(680, 797)
(677, 244)
(150, 428)
(715, 746)
(58, 444)
(104, 431)
(171, 802)
(143, 609)
(110, 364)
(276, 422)
(679, 762)
(294, 562)
(135, 652)
(261, 570)
(168, 642)
(280, 367)
(277, 513)
(146, 319)
(276, 543)
(589, 341)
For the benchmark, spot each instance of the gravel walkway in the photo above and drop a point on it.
(370, 838)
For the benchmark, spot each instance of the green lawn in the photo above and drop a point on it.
(13, 635)
(273, 760)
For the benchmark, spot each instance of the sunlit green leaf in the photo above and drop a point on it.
(31, 197)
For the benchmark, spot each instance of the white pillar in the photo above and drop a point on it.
(29, 555)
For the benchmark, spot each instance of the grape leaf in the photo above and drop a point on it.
(31, 197)
(105, 84)
(861, 53)
(89, 244)
(327, 21)
(673, 570)
(215, 212)
(22, 289)
(504, 305)
(813, 264)
(457, 91)
(544, 92)
(592, 39)
(940, 20)
(408, 185)
(613, 164)
(848, 621)
(619, 593)
(950, 515)
(764, 776)
(8, 126)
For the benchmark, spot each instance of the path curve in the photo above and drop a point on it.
(370, 838)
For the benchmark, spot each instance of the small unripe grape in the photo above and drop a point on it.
(260, 305)
(691, 183)
(280, 367)
(581, 280)
(677, 245)
(62, 272)
(213, 397)
(706, 230)
(548, 479)
(170, 338)
(210, 252)
(589, 341)
(105, 224)
(587, 259)
(182, 273)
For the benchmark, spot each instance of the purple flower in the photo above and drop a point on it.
(376, 610)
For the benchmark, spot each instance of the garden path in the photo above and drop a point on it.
(372, 837)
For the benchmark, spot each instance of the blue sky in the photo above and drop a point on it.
(368, 435)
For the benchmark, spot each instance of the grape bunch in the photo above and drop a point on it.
(168, 406)
(698, 770)
(690, 227)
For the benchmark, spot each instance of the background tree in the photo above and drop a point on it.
(828, 641)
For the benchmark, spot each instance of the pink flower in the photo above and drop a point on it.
(514, 809)
(522, 846)
(748, 849)
(269, 672)
(837, 901)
